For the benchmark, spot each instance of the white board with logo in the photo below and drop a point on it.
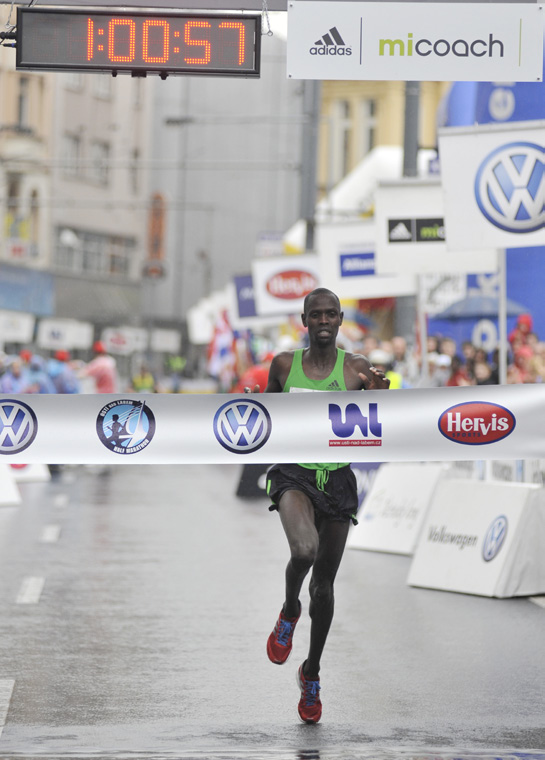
(494, 185)
(347, 263)
(412, 235)
(415, 41)
(392, 514)
(282, 282)
(483, 538)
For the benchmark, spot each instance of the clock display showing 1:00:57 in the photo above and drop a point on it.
(225, 44)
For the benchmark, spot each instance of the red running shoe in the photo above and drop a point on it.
(310, 706)
(279, 642)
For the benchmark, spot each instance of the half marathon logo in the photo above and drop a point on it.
(126, 426)
(416, 230)
(330, 43)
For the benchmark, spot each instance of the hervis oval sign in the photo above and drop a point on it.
(476, 423)
(291, 284)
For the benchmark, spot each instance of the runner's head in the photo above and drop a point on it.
(322, 316)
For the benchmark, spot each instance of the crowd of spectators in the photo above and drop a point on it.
(450, 365)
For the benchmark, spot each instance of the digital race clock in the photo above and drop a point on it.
(217, 44)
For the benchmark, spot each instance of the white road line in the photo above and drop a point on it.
(6, 690)
(61, 500)
(50, 534)
(30, 591)
(539, 600)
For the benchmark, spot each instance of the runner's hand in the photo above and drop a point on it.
(377, 382)
(255, 389)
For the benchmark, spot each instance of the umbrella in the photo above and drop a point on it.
(480, 307)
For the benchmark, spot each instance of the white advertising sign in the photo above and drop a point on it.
(415, 41)
(16, 327)
(483, 538)
(282, 282)
(347, 263)
(395, 507)
(494, 185)
(125, 340)
(65, 334)
(411, 233)
(416, 425)
(165, 341)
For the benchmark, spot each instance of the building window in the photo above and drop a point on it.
(23, 103)
(341, 129)
(100, 162)
(71, 158)
(134, 171)
(368, 127)
(93, 254)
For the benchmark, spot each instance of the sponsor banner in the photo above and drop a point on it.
(282, 282)
(395, 508)
(440, 424)
(482, 538)
(348, 263)
(415, 41)
(494, 185)
(125, 340)
(16, 327)
(66, 334)
(411, 233)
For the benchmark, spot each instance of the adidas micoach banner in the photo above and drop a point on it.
(415, 41)
(441, 424)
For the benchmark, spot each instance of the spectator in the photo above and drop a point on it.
(102, 369)
(483, 373)
(143, 381)
(520, 370)
(522, 329)
(61, 373)
(458, 373)
(15, 378)
(38, 379)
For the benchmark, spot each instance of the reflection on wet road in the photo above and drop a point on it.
(134, 609)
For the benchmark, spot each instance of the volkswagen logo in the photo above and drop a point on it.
(18, 426)
(242, 426)
(495, 536)
(510, 187)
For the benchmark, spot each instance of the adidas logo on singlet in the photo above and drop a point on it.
(334, 386)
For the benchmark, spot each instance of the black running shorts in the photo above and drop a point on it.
(338, 500)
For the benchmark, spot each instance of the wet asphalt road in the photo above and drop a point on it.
(146, 636)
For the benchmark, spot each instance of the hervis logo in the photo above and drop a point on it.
(331, 43)
(476, 423)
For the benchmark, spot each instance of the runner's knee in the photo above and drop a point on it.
(303, 553)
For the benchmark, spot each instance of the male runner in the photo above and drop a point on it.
(315, 501)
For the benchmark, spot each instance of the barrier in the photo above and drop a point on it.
(437, 424)
(483, 538)
(30, 473)
(395, 508)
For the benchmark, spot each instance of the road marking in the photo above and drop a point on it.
(6, 690)
(539, 600)
(61, 500)
(50, 534)
(30, 591)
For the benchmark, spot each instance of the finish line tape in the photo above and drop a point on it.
(433, 424)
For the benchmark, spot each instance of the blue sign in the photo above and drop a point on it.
(244, 286)
(357, 264)
(24, 289)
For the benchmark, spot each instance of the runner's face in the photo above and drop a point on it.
(322, 319)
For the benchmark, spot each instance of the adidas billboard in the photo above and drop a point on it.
(431, 41)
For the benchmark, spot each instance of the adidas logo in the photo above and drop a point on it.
(330, 43)
(334, 386)
(400, 232)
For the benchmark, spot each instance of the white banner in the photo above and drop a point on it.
(415, 41)
(440, 424)
(282, 282)
(411, 233)
(494, 185)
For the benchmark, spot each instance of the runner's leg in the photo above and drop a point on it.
(297, 516)
(332, 540)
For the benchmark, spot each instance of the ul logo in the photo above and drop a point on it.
(242, 426)
(510, 187)
(18, 426)
(495, 536)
